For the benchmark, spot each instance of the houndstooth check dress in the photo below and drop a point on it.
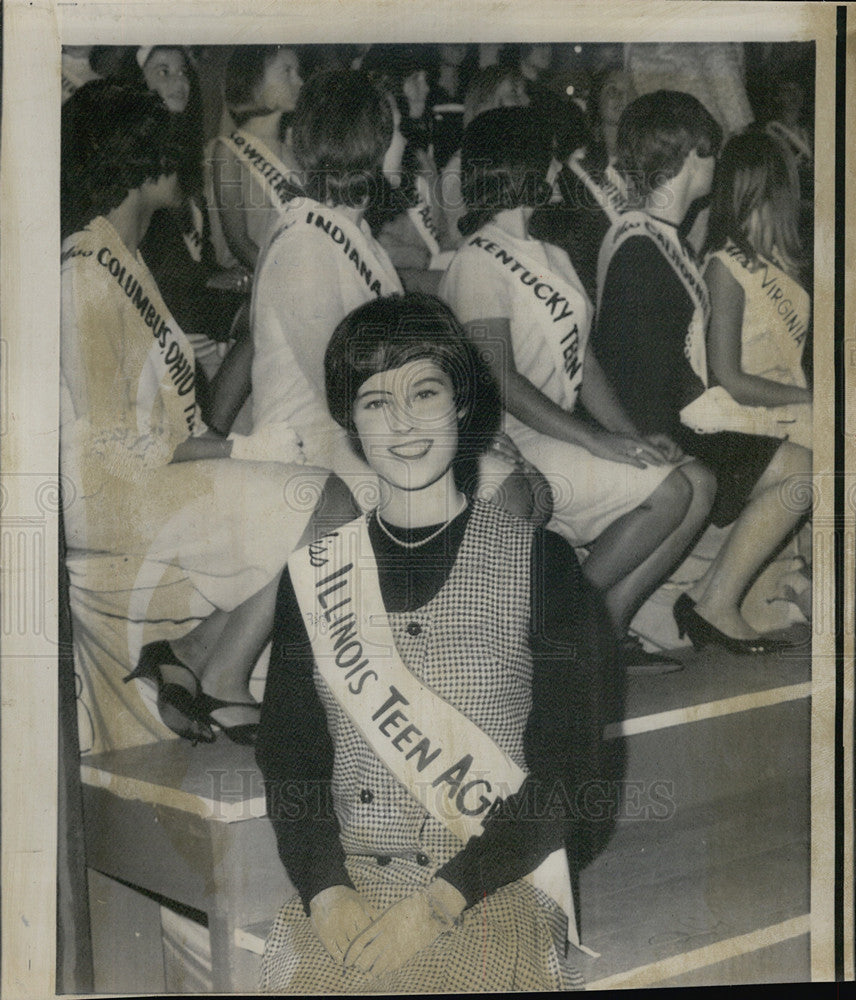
(468, 643)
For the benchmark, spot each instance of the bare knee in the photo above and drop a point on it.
(703, 483)
(675, 494)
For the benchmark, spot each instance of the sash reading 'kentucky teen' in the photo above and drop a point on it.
(563, 312)
(446, 762)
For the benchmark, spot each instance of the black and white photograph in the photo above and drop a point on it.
(423, 560)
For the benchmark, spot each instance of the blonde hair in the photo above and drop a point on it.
(755, 200)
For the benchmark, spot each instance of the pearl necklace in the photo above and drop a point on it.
(422, 541)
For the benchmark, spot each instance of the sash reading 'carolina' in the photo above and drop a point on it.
(445, 761)
(423, 219)
(171, 352)
(665, 238)
(380, 277)
(272, 173)
(606, 193)
(563, 312)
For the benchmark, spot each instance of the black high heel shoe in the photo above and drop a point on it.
(180, 710)
(701, 633)
(245, 733)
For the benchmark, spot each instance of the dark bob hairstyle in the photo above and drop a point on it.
(114, 139)
(657, 132)
(389, 332)
(505, 155)
(342, 128)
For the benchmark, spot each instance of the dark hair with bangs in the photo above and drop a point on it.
(755, 201)
(114, 138)
(245, 72)
(188, 122)
(341, 131)
(505, 155)
(387, 333)
(656, 133)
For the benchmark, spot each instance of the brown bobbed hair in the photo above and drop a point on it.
(389, 332)
(341, 130)
(656, 134)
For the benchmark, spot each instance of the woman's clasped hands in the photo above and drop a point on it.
(347, 929)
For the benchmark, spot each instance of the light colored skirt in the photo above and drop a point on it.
(513, 940)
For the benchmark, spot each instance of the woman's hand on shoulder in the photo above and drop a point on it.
(338, 914)
(406, 928)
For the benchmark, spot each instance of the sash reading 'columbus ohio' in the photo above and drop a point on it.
(171, 355)
(273, 175)
(561, 310)
(666, 240)
(445, 761)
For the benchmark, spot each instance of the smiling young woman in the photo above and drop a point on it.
(443, 668)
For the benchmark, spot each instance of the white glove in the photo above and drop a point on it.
(272, 443)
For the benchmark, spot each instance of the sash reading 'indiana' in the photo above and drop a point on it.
(665, 238)
(171, 352)
(563, 312)
(378, 273)
(272, 173)
(336, 581)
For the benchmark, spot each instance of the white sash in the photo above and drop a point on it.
(789, 306)
(171, 354)
(380, 276)
(447, 763)
(423, 219)
(787, 321)
(665, 238)
(562, 311)
(606, 193)
(273, 175)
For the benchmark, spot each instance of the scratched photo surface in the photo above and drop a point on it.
(529, 575)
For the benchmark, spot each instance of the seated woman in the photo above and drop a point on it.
(653, 315)
(592, 194)
(615, 490)
(405, 214)
(321, 263)
(175, 548)
(760, 317)
(208, 302)
(252, 172)
(478, 670)
(492, 87)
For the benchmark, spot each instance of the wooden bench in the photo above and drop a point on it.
(175, 824)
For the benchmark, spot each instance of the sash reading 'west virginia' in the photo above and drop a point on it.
(562, 311)
(665, 238)
(272, 173)
(377, 272)
(171, 354)
(445, 761)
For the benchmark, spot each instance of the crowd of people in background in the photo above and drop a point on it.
(615, 244)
